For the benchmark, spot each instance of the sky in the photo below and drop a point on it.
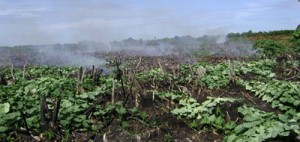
(24, 22)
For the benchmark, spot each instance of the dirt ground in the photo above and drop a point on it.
(167, 127)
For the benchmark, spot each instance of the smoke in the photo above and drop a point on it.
(64, 55)
(50, 55)
(88, 53)
(221, 39)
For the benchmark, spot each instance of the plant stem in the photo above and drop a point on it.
(43, 123)
(56, 110)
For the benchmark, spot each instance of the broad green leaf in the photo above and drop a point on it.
(4, 108)
(3, 129)
(230, 125)
(12, 116)
(66, 103)
(250, 132)
(296, 102)
(121, 110)
(83, 96)
(271, 75)
(133, 110)
(231, 138)
(284, 133)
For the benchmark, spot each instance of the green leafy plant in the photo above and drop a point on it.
(296, 33)
(125, 125)
(260, 126)
(216, 76)
(262, 67)
(296, 40)
(168, 138)
(207, 113)
(269, 47)
(155, 73)
(280, 94)
(20, 100)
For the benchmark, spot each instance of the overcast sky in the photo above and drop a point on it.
(69, 21)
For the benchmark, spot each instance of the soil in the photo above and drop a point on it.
(167, 127)
(170, 127)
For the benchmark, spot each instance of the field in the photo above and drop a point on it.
(153, 98)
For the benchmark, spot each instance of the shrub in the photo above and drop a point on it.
(296, 40)
(269, 47)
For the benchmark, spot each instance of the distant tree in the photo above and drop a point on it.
(297, 33)
(298, 27)
(250, 32)
(269, 47)
(296, 40)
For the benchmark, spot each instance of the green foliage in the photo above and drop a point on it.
(296, 40)
(296, 33)
(220, 75)
(155, 74)
(49, 134)
(111, 110)
(280, 94)
(207, 113)
(260, 126)
(269, 47)
(262, 67)
(216, 76)
(260, 33)
(186, 74)
(55, 83)
(168, 138)
(4, 108)
(20, 100)
(125, 125)
(143, 115)
(175, 96)
(211, 76)
(7, 120)
(190, 108)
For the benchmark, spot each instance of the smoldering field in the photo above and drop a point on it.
(88, 53)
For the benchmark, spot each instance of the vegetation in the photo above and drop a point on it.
(137, 99)
(296, 40)
(270, 48)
